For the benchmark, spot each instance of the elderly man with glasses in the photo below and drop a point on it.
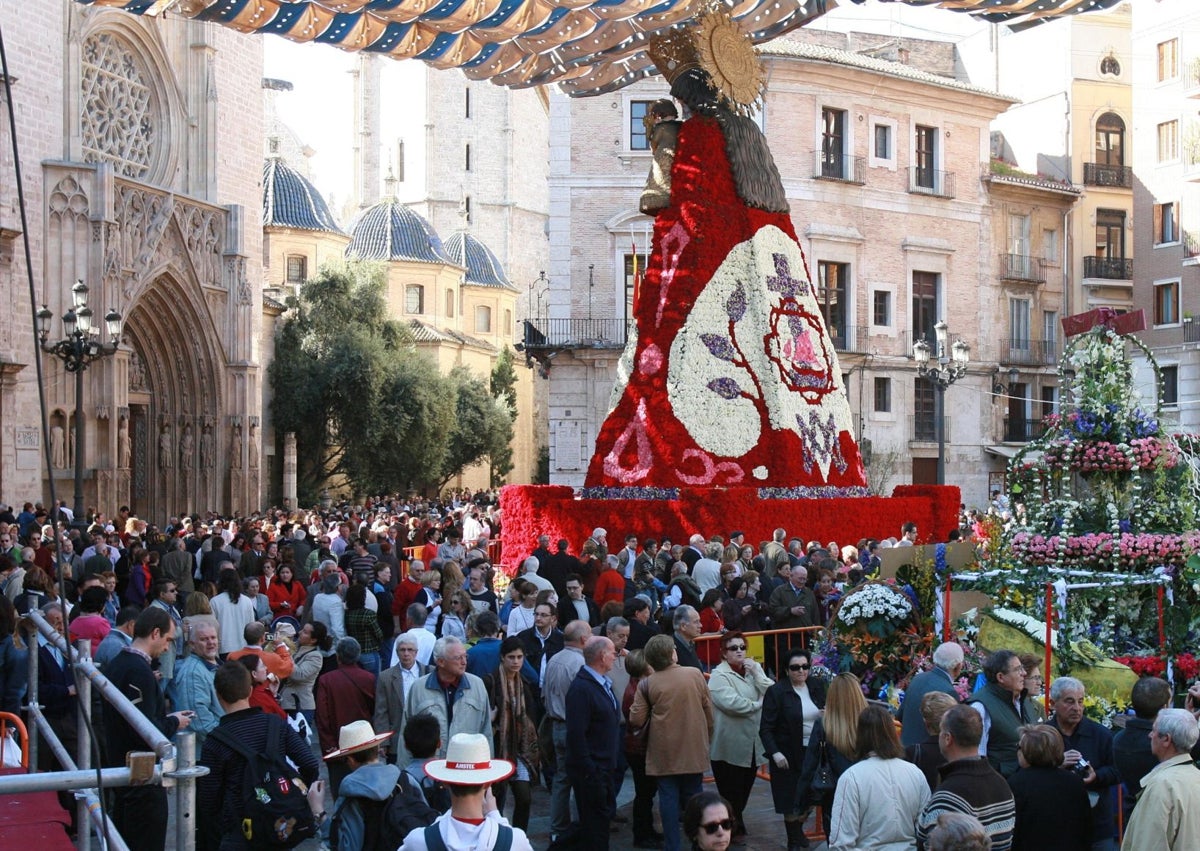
(458, 700)
(1089, 753)
(1003, 709)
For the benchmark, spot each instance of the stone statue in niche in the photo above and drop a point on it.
(124, 452)
(166, 455)
(235, 445)
(58, 447)
(137, 373)
(253, 446)
(187, 443)
(207, 457)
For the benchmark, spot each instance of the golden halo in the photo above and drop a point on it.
(729, 57)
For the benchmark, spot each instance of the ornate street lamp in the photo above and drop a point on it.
(941, 374)
(78, 349)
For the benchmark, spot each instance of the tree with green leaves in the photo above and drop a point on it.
(504, 390)
(364, 403)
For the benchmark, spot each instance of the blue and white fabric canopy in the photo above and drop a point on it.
(586, 46)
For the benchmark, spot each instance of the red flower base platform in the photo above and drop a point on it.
(532, 510)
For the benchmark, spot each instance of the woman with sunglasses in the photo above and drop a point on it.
(790, 710)
(736, 686)
(708, 822)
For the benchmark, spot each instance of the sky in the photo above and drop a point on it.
(319, 107)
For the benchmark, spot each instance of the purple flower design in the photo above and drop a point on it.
(719, 347)
(735, 306)
(725, 387)
(782, 281)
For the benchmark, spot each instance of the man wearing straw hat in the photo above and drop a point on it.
(473, 823)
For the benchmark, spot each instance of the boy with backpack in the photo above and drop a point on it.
(259, 800)
(422, 738)
(473, 822)
(377, 804)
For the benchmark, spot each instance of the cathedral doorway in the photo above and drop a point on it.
(176, 378)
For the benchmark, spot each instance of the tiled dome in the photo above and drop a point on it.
(391, 231)
(291, 201)
(483, 269)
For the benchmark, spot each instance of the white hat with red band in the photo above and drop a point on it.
(469, 762)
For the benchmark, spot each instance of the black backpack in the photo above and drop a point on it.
(386, 823)
(436, 794)
(274, 807)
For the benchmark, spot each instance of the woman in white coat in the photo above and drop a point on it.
(736, 686)
(878, 798)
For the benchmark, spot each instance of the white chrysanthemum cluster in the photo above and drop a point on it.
(874, 601)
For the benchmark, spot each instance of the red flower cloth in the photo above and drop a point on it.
(643, 442)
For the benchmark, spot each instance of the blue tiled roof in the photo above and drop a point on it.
(483, 269)
(391, 231)
(290, 201)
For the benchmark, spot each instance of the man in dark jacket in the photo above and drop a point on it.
(593, 742)
(219, 793)
(346, 695)
(1131, 746)
(1085, 739)
(969, 784)
(140, 812)
(542, 640)
(947, 664)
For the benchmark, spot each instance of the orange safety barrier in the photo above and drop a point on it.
(763, 646)
(411, 553)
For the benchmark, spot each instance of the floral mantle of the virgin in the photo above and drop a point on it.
(732, 378)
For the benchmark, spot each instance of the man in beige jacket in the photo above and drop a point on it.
(676, 704)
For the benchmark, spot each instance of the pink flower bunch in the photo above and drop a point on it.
(1100, 457)
(1133, 550)
(1147, 450)
(1153, 549)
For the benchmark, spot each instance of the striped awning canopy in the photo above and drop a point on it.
(586, 46)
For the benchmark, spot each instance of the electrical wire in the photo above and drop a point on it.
(41, 382)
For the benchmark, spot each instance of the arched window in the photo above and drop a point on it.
(1110, 139)
(450, 304)
(483, 319)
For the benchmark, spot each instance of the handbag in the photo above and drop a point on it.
(823, 779)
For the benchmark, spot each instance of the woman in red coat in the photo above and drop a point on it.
(286, 595)
(711, 623)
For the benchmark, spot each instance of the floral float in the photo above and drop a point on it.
(1105, 508)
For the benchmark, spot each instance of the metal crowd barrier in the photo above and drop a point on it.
(175, 762)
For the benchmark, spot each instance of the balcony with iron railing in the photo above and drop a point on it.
(1022, 267)
(1191, 330)
(1108, 268)
(1022, 430)
(922, 428)
(930, 181)
(1029, 352)
(544, 333)
(1104, 174)
(1191, 247)
(1191, 79)
(841, 167)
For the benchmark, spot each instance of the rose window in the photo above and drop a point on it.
(118, 117)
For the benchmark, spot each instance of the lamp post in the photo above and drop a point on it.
(78, 349)
(941, 374)
(543, 288)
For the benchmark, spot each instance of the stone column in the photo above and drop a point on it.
(289, 468)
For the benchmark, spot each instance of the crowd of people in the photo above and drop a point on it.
(379, 641)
